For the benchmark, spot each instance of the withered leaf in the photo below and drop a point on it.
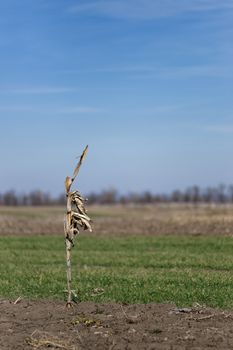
(68, 183)
(76, 170)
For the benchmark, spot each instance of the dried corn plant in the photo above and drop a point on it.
(76, 218)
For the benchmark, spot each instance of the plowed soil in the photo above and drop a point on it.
(50, 325)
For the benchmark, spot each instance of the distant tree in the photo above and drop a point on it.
(147, 197)
(187, 195)
(221, 193)
(123, 199)
(194, 194)
(207, 195)
(230, 190)
(195, 190)
(157, 198)
(47, 200)
(133, 197)
(61, 200)
(177, 196)
(10, 198)
(93, 198)
(37, 198)
(108, 196)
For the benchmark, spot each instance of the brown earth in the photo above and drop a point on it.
(50, 325)
(122, 220)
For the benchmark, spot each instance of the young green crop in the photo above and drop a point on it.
(182, 270)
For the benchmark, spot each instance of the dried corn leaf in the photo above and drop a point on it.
(76, 170)
(81, 210)
(78, 196)
(87, 225)
(78, 200)
(81, 216)
(68, 183)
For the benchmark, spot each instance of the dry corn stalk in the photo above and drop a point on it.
(76, 218)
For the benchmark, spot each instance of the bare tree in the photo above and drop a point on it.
(10, 198)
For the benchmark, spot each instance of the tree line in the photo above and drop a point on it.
(194, 194)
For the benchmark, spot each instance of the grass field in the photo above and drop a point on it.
(178, 269)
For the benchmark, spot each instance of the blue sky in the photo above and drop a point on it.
(146, 83)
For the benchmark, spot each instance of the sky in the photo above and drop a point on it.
(147, 84)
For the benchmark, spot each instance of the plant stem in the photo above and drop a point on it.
(68, 271)
(69, 244)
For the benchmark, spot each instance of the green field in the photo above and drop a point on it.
(182, 270)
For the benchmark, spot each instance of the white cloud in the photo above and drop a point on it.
(14, 108)
(50, 110)
(163, 72)
(220, 128)
(205, 71)
(79, 110)
(37, 90)
(148, 9)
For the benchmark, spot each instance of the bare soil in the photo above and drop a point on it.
(124, 220)
(49, 324)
